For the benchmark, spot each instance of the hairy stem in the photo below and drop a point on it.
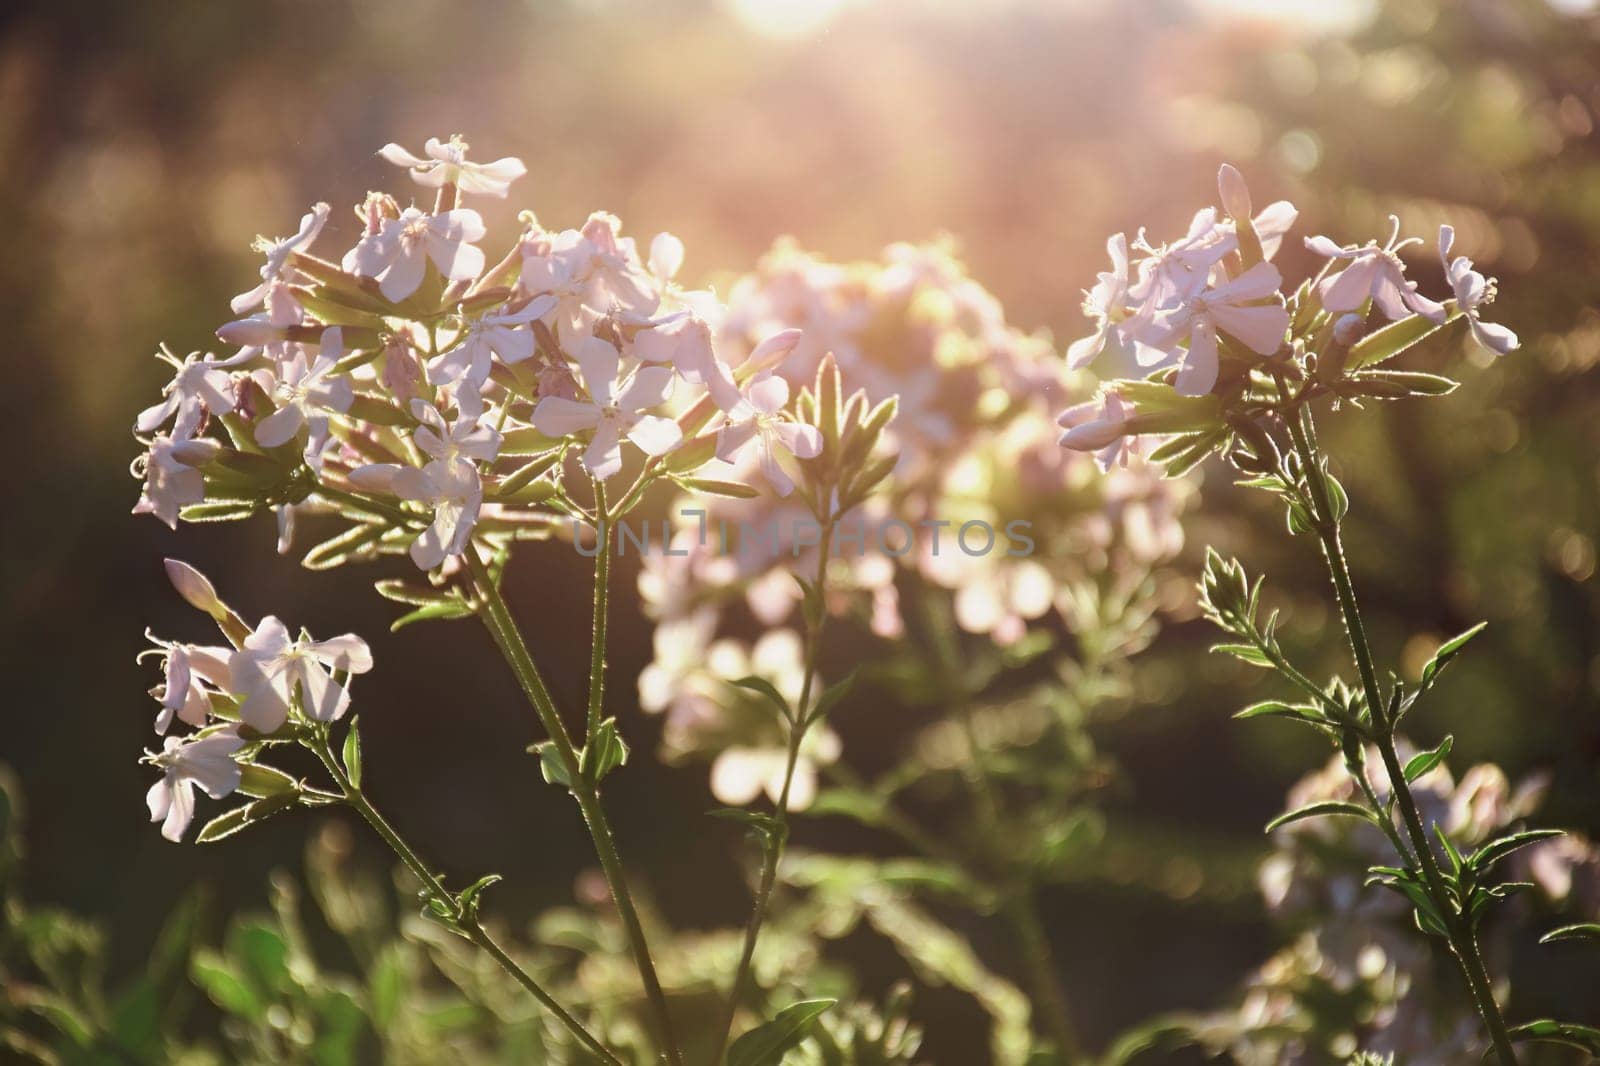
(1463, 940)
(508, 638)
(471, 928)
(780, 832)
(602, 597)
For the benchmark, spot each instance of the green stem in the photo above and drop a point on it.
(1463, 940)
(1016, 892)
(602, 577)
(471, 928)
(780, 832)
(508, 638)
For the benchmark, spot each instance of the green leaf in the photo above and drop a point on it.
(386, 981)
(1300, 712)
(604, 753)
(766, 1044)
(765, 826)
(1330, 808)
(1422, 762)
(224, 985)
(832, 695)
(1394, 385)
(470, 895)
(1384, 344)
(230, 822)
(551, 764)
(340, 549)
(731, 489)
(1578, 931)
(352, 752)
(766, 688)
(262, 781)
(1245, 653)
(1570, 1034)
(1485, 857)
(1447, 651)
(445, 610)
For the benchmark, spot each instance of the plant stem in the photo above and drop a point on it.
(1463, 940)
(1014, 888)
(471, 928)
(602, 596)
(780, 831)
(508, 638)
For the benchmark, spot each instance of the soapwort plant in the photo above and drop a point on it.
(1237, 368)
(429, 403)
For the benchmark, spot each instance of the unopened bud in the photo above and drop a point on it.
(1235, 194)
(195, 588)
(1348, 329)
(770, 352)
(197, 452)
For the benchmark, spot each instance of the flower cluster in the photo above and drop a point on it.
(431, 397)
(981, 505)
(1206, 320)
(239, 699)
(1367, 960)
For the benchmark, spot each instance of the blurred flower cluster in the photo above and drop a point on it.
(981, 507)
(1355, 974)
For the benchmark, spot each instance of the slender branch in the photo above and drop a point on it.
(503, 628)
(602, 596)
(471, 928)
(1463, 941)
(780, 831)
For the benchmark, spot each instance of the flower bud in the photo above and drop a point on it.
(195, 588)
(770, 352)
(197, 452)
(1235, 194)
(1349, 329)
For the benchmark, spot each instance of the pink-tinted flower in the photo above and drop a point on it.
(1374, 273)
(760, 423)
(398, 254)
(169, 483)
(272, 667)
(1247, 308)
(278, 252)
(614, 410)
(447, 164)
(198, 386)
(207, 762)
(1473, 291)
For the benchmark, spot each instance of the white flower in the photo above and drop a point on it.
(466, 440)
(682, 340)
(207, 762)
(1235, 307)
(760, 419)
(397, 255)
(1374, 273)
(189, 669)
(611, 412)
(489, 335)
(169, 485)
(1109, 296)
(1000, 597)
(306, 392)
(451, 487)
(271, 665)
(1473, 291)
(740, 774)
(276, 268)
(447, 164)
(198, 386)
(1178, 271)
(680, 646)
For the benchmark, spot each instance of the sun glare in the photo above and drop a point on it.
(786, 18)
